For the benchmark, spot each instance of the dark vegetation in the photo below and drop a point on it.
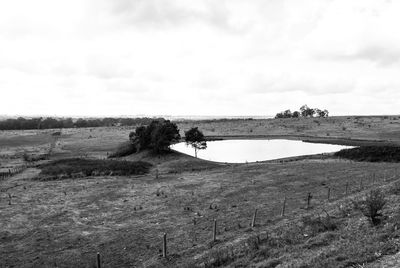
(157, 136)
(371, 153)
(196, 139)
(33, 158)
(305, 111)
(124, 149)
(48, 123)
(90, 167)
(372, 206)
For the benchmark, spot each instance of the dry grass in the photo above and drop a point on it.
(64, 223)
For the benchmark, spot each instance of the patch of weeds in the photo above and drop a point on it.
(321, 240)
(289, 235)
(252, 244)
(315, 225)
(126, 148)
(395, 189)
(220, 257)
(89, 167)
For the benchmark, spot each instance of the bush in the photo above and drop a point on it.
(372, 206)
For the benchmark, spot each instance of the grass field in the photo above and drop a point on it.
(63, 223)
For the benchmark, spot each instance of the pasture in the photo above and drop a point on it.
(65, 222)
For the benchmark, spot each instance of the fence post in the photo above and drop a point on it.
(98, 260)
(164, 251)
(347, 188)
(283, 206)
(253, 222)
(308, 200)
(329, 193)
(361, 184)
(215, 230)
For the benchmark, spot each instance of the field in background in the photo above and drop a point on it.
(65, 222)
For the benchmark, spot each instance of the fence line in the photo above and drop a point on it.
(13, 171)
(333, 193)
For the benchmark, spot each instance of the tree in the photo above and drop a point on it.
(158, 136)
(322, 113)
(196, 139)
(307, 111)
(279, 115)
(296, 114)
(163, 136)
(287, 114)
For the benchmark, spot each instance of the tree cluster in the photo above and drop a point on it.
(157, 136)
(21, 123)
(305, 111)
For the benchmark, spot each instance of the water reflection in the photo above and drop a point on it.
(241, 151)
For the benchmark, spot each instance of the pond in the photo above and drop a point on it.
(242, 151)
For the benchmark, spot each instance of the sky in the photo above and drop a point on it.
(198, 57)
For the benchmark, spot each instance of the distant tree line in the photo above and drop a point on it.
(305, 111)
(47, 123)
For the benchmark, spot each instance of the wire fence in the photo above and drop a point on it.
(209, 229)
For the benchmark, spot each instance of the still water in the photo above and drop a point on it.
(241, 151)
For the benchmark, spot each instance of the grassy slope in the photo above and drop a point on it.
(66, 222)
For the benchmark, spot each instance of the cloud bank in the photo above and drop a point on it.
(203, 57)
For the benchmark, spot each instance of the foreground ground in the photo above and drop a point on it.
(63, 223)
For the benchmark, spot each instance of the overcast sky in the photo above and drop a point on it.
(198, 57)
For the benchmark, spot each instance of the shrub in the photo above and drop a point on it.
(372, 206)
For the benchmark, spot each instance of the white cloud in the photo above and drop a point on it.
(112, 57)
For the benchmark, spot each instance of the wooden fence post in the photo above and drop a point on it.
(215, 231)
(308, 200)
(283, 206)
(253, 222)
(98, 260)
(329, 193)
(164, 251)
(347, 188)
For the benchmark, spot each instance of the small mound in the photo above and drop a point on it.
(67, 168)
(371, 154)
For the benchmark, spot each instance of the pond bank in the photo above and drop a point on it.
(312, 139)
